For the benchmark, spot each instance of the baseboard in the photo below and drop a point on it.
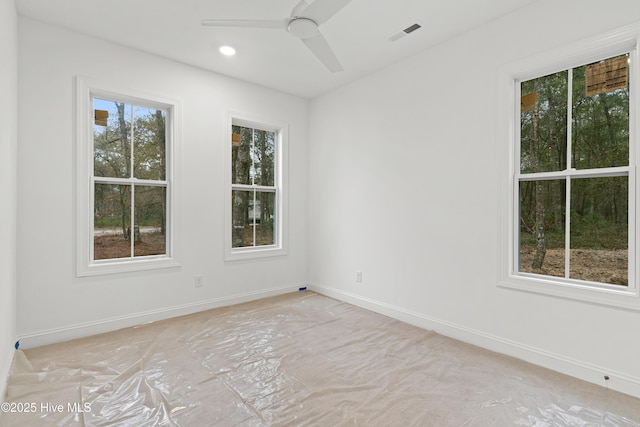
(55, 335)
(575, 368)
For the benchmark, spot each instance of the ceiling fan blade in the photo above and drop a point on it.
(247, 23)
(321, 10)
(320, 48)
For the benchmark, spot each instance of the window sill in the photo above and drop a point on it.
(115, 266)
(545, 285)
(240, 254)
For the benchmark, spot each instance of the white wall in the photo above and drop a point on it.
(54, 304)
(404, 185)
(8, 148)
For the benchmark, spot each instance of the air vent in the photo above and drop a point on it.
(410, 29)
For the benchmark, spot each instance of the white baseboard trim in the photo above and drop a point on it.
(556, 362)
(55, 335)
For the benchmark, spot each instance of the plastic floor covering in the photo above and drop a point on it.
(297, 359)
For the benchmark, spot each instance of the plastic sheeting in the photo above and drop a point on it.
(296, 359)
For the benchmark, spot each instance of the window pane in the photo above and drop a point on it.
(242, 222)
(253, 218)
(149, 144)
(264, 143)
(599, 238)
(241, 156)
(150, 211)
(264, 213)
(542, 227)
(543, 123)
(112, 221)
(111, 134)
(601, 114)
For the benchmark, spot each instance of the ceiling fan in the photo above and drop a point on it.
(303, 24)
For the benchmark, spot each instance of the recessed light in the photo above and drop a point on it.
(227, 50)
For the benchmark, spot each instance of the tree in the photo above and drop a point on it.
(130, 144)
(599, 129)
(253, 166)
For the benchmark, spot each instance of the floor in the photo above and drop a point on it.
(295, 359)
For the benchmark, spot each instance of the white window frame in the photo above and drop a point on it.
(281, 129)
(86, 90)
(621, 41)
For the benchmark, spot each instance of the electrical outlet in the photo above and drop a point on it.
(198, 280)
(359, 276)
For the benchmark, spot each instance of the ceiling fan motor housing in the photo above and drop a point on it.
(303, 28)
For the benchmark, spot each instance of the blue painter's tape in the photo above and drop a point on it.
(303, 289)
(17, 345)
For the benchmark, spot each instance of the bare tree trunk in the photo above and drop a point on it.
(126, 230)
(242, 166)
(556, 160)
(124, 143)
(612, 138)
(541, 241)
(161, 140)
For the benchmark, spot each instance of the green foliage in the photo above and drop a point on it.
(111, 221)
(544, 129)
(599, 129)
(131, 145)
(594, 231)
(253, 163)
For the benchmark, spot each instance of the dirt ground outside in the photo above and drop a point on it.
(109, 246)
(597, 265)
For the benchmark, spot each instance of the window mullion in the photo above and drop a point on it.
(131, 142)
(569, 116)
(251, 152)
(579, 173)
(632, 256)
(150, 182)
(567, 229)
(112, 180)
(275, 222)
(246, 187)
(254, 218)
(567, 204)
(131, 227)
(632, 213)
(515, 183)
(253, 183)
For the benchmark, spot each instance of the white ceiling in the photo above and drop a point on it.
(359, 34)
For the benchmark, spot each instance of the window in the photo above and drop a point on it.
(573, 188)
(126, 220)
(573, 179)
(256, 198)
